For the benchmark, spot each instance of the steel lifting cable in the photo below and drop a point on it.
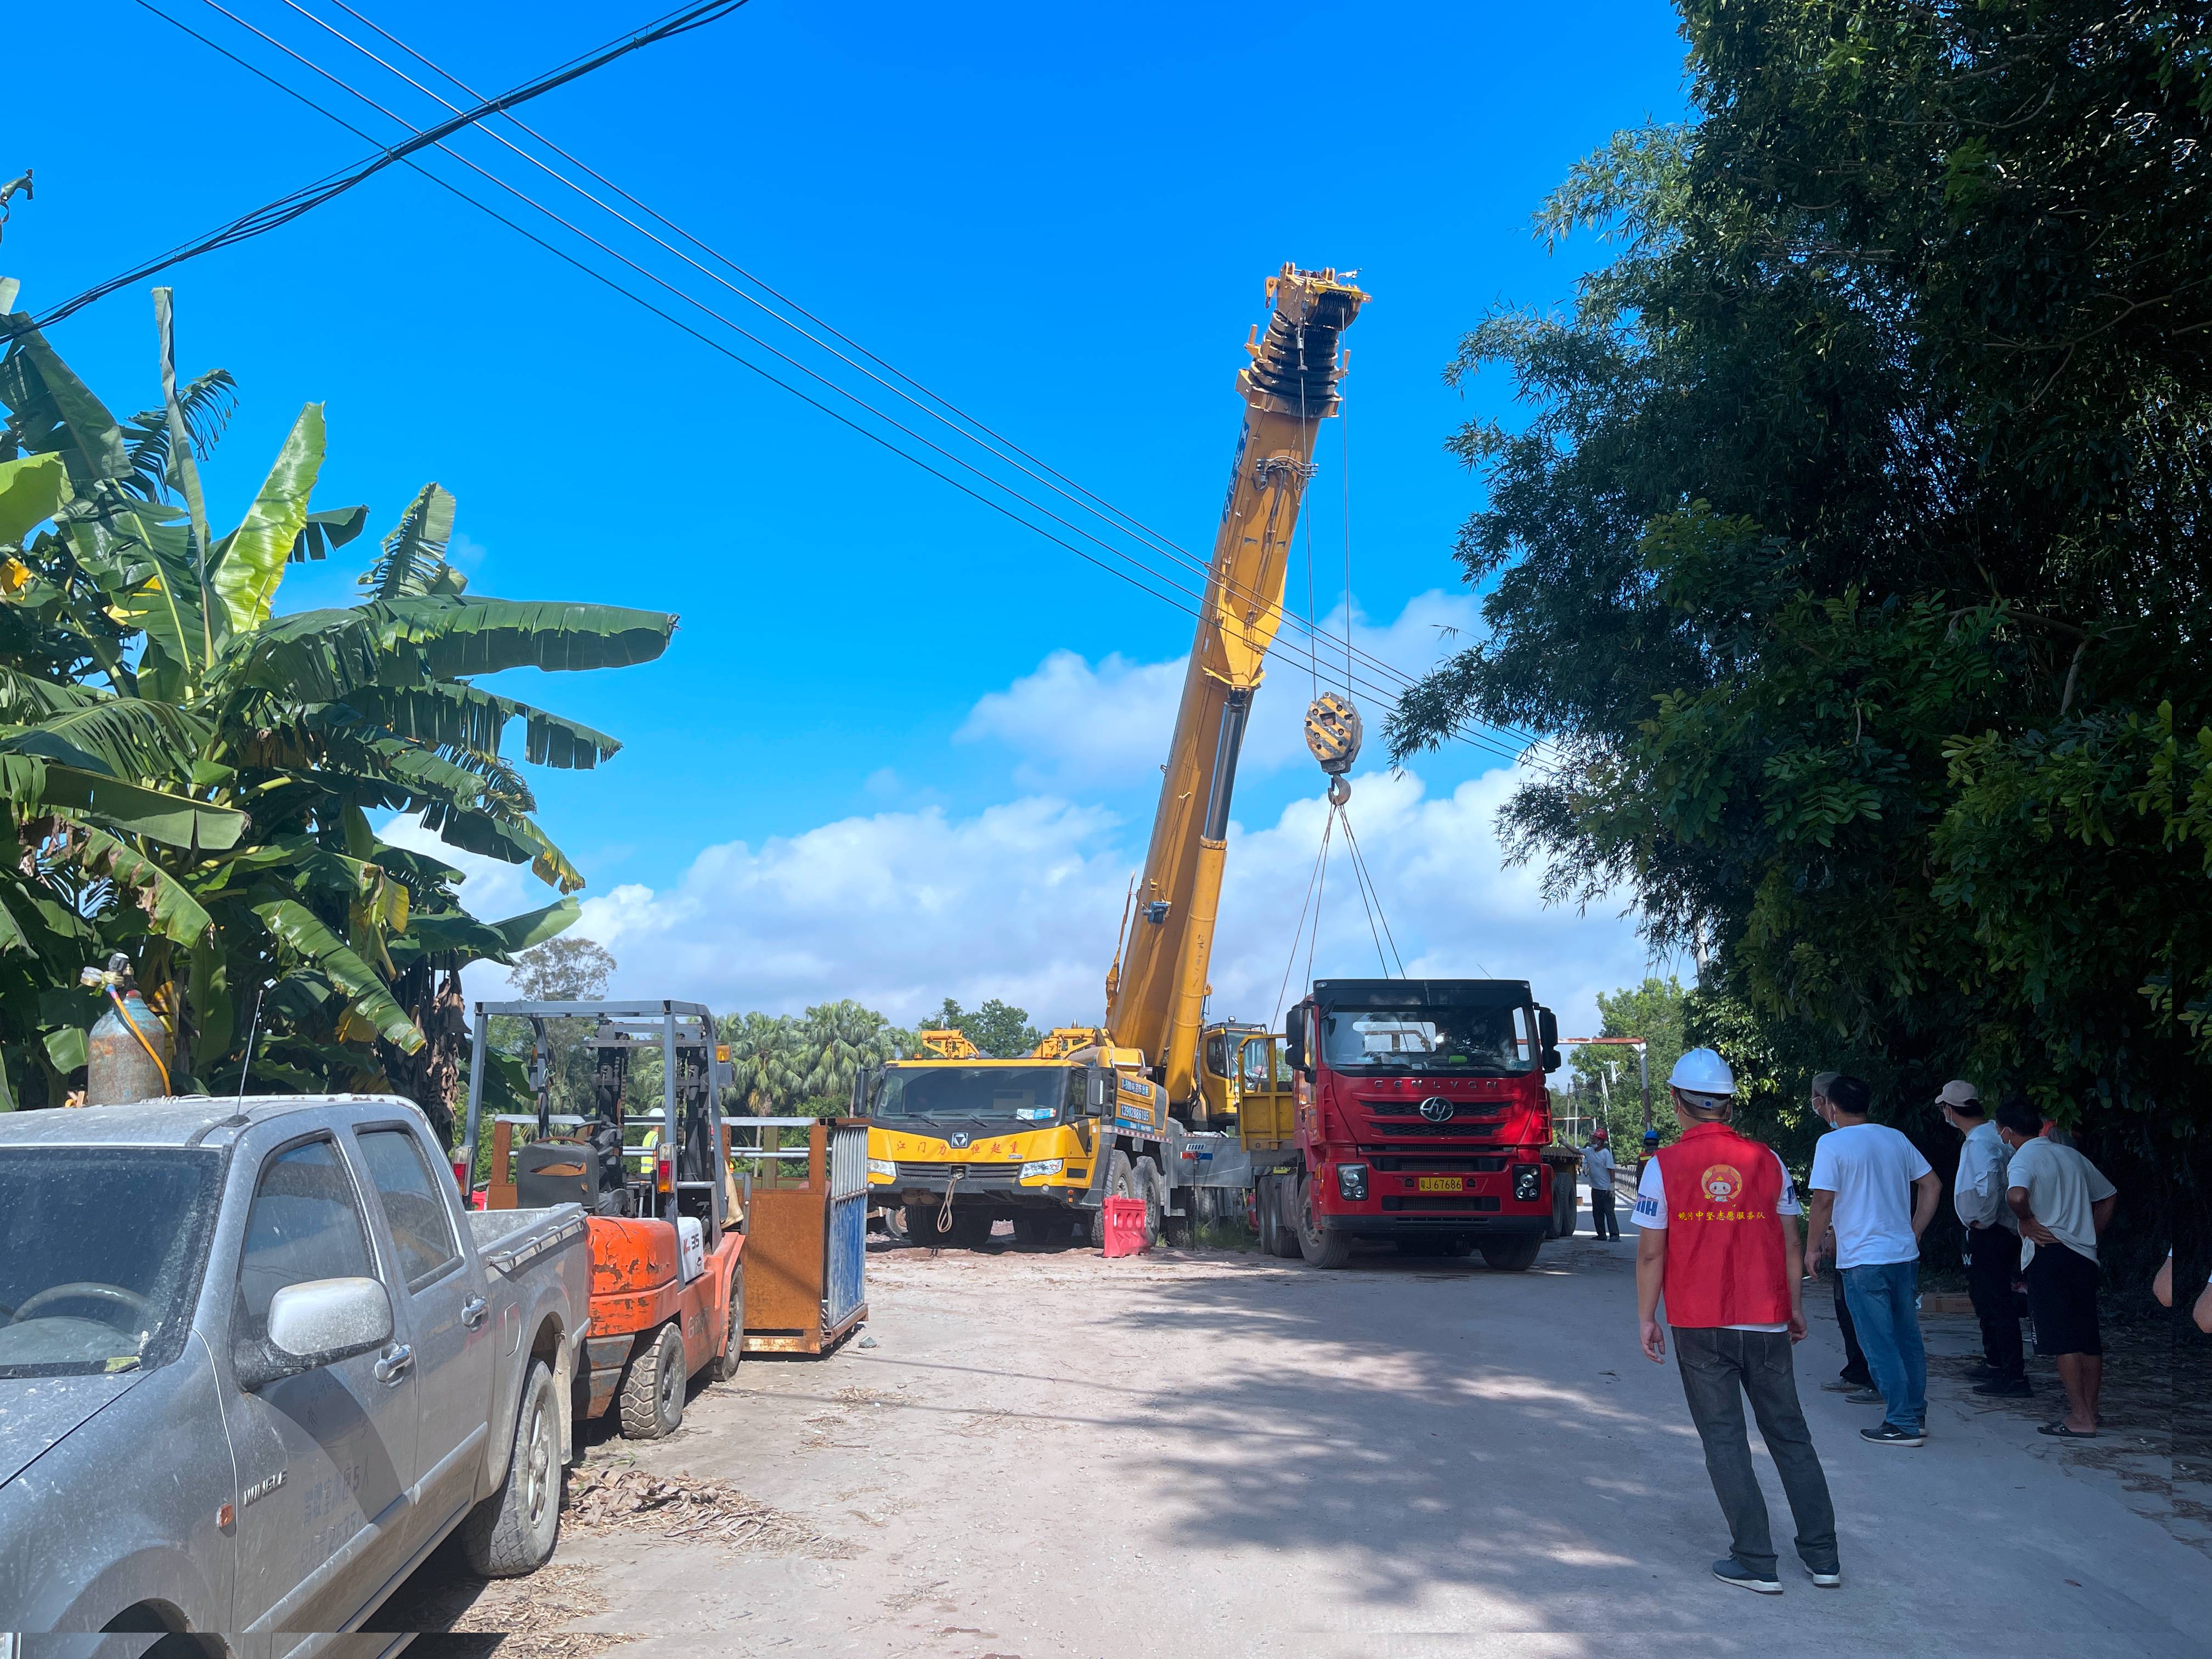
(1360, 866)
(1299, 933)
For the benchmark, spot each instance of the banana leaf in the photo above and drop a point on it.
(247, 565)
(461, 635)
(324, 530)
(174, 910)
(31, 490)
(414, 561)
(304, 933)
(132, 737)
(174, 820)
(58, 411)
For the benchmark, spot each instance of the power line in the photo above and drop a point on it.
(285, 208)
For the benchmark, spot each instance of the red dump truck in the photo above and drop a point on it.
(1417, 1113)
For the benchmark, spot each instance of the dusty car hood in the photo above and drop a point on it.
(36, 1412)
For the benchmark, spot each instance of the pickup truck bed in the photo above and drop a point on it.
(268, 1336)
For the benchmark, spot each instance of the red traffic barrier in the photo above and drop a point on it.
(1125, 1226)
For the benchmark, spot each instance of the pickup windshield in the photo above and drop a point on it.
(102, 1250)
(1029, 1095)
(1489, 1040)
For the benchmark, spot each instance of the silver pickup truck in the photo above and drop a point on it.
(256, 1362)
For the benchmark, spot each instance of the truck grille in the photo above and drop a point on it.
(1464, 1165)
(1477, 1111)
(967, 1171)
(1462, 1204)
(1458, 1129)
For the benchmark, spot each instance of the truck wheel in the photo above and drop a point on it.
(971, 1229)
(724, 1366)
(1319, 1249)
(512, 1532)
(1263, 1214)
(922, 1227)
(1147, 1183)
(1512, 1255)
(1562, 1204)
(652, 1388)
(1039, 1230)
(1281, 1192)
(1117, 1186)
(894, 1222)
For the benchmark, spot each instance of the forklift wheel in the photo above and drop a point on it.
(724, 1366)
(653, 1390)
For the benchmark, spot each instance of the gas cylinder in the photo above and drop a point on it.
(117, 1067)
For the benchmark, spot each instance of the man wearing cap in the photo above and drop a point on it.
(1597, 1170)
(1977, 1194)
(1718, 1242)
(1872, 1185)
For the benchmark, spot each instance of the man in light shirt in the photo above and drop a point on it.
(1597, 1170)
(2063, 1201)
(1873, 1187)
(1977, 1194)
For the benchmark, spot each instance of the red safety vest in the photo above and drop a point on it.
(1725, 1261)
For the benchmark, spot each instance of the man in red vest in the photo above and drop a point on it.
(1716, 1214)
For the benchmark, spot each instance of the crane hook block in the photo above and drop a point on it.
(1333, 732)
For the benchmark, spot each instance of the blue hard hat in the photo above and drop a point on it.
(1651, 1137)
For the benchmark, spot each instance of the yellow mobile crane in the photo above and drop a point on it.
(1138, 1107)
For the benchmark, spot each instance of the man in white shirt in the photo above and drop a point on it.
(1977, 1194)
(1862, 1173)
(1597, 1170)
(2063, 1201)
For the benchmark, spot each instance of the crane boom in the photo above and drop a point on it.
(1155, 992)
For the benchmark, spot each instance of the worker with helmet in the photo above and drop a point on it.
(1718, 1242)
(1597, 1170)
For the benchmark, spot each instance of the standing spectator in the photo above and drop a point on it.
(1717, 1239)
(1854, 1378)
(2063, 1201)
(1977, 1194)
(1871, 1184)
(1650, 1151)
(1597, 1170)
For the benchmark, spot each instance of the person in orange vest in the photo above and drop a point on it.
(1718, 1241)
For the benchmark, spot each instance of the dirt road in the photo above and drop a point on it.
(1213, 1454)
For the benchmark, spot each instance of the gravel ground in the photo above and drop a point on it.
(1205, 1452)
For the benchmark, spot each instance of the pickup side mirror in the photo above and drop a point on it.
(1547, 1034)
(316, 1323)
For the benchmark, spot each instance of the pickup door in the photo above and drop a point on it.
(445, 1311)
(325, 1458)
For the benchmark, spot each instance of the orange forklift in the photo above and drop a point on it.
(667, 1236)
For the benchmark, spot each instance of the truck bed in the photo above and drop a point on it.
(509, 1240)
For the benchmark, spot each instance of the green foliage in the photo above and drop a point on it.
(1001, 1031)
(787, 1065)
(1608, 1084)
(1850, 561)
(189, 776)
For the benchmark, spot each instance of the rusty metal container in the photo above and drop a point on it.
(117, 1066)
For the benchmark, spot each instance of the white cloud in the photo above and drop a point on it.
(1021, 901)
(1074, 725)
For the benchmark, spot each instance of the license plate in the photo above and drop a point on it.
(1443, 1184)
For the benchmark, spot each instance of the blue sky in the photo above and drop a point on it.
(899, 744)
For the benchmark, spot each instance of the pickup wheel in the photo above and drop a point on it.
(1513, 1255)
(724, 1366)
(652, 1389)
(512, 1532)
(1320, 1248)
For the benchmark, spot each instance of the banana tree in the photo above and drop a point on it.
(192, 773)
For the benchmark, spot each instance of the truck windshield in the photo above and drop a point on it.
(1016, 1094)
(100, 1255)
(1493, 1040)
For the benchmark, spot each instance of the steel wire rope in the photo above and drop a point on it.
(947, 412)
(1360, 883)
(951, 416)
(1366, 872)
(1298, 934)
(1310, 652)
(271, 216)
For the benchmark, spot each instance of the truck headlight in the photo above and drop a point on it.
(1351, 1181)
(1528, 1180)
(1040, 1171)
(883, 1169)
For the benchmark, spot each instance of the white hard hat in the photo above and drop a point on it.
(1702, 1071)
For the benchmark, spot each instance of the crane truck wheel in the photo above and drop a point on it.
(971, 1229)
(724, 1366)
(922, 1227)
(1319, 1249)
(652, 1388)
(512, 1532)
(1147, 1183)
(1039, 1230)
(1118, 1185)
(1512, 1255)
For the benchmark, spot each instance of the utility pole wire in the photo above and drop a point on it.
(285, 208)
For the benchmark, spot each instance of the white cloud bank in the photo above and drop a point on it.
(1021, 899)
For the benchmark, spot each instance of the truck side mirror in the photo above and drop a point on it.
(1096, 1092)
(316, 1323)
(1547, 1034)
(1294, 1040)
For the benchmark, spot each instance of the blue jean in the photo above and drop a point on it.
(1881, 1295)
